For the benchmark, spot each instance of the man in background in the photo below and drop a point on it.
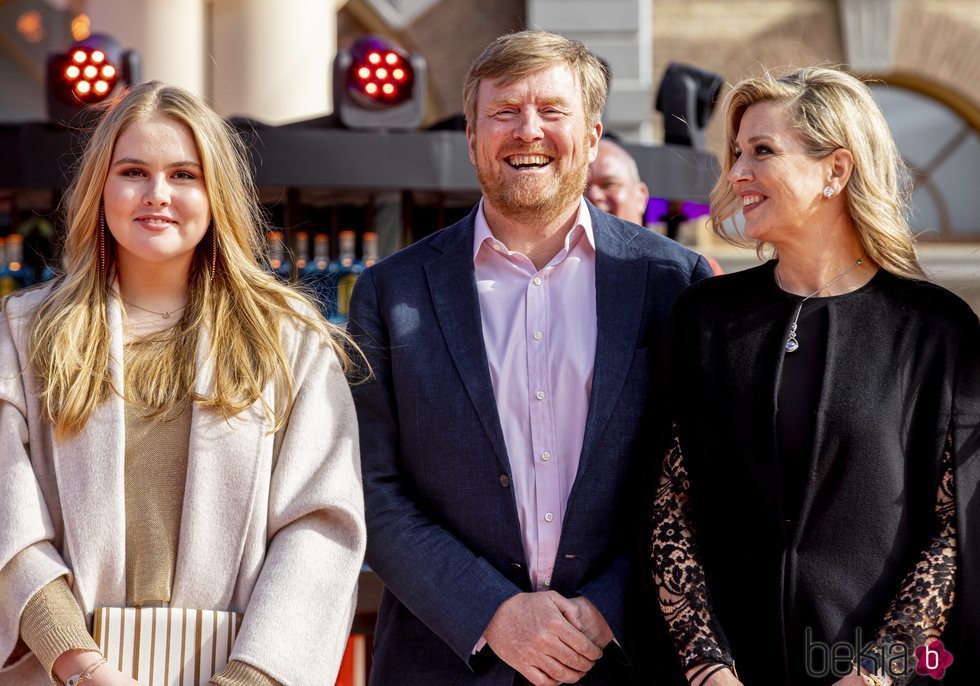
(615, 187)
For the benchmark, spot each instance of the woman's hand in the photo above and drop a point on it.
(77, 661)
(722, 677)
(852, 679)
(110, 676)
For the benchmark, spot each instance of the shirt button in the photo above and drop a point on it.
(539, 395)
(538, 335)
(545, 456)
(548, 517)
(537, 281)
(496, 246)
(547, 582)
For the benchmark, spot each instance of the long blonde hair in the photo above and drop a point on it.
(830, 110)
(242, 308)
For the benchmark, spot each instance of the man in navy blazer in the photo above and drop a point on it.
(497, 569)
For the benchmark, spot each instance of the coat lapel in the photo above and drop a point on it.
(91, 486)
(619, 311)
(452, 287)
(222, 467)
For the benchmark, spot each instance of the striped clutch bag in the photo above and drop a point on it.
(166, 646)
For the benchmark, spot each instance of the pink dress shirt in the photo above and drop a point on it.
(539, 328)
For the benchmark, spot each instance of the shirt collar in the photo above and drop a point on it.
(583, 223)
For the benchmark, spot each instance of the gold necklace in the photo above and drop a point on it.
(792, 345)
(165, 315)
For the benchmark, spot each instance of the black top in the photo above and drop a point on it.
(895, 420)
(799, 396)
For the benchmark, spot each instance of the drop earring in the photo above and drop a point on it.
(214, 248)
(101, 238)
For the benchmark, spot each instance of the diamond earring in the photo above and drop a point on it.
(828, 192)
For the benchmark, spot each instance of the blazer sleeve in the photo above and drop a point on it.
(964, 631)
(300, 611)
(438, 578)
(28, 558)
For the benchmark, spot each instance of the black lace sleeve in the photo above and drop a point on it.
(677, 569)
(919, 612)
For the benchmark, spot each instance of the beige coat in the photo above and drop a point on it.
(272, 524)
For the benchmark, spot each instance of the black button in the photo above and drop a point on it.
(504, 481)
(516, 567)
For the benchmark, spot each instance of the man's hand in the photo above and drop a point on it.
(530, 633)
(584, 616)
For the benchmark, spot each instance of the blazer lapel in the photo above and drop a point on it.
(91, 486)
(452, 287)
(619, 312)
(223, 461)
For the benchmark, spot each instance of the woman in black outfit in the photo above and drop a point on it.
(814, 513)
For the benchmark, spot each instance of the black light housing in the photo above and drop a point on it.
(91, 71)
(687, 97)
(377, 85)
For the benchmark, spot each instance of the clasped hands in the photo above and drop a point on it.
(548, 638)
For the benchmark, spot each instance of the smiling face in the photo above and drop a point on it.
(614, 184)
(780, 185)
(156, 202)
(531, 144)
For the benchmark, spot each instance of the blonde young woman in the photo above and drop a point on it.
(817, 513)
(175, 425)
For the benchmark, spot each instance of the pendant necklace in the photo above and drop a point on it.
(792, 345)
(165, 315)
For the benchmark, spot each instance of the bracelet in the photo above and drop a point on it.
(86, 673)
(871, 678)
(699, 670)
(718, 668)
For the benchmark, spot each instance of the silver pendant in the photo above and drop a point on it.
(792, 345)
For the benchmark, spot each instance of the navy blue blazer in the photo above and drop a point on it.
(443, 531)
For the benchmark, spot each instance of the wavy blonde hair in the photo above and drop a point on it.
(830, 110)
(242, 308)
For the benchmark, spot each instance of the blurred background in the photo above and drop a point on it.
(332, 156)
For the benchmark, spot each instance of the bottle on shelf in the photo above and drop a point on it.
(369, 254)
(302, 251)
(344, 273)
(14, 274)
(316, 276)
(279, 263)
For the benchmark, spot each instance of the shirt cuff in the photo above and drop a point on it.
(479, 645)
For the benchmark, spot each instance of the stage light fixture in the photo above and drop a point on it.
(686, 97)
(377, 85)
(90, 71)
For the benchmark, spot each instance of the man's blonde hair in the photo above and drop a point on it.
(513, 56)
